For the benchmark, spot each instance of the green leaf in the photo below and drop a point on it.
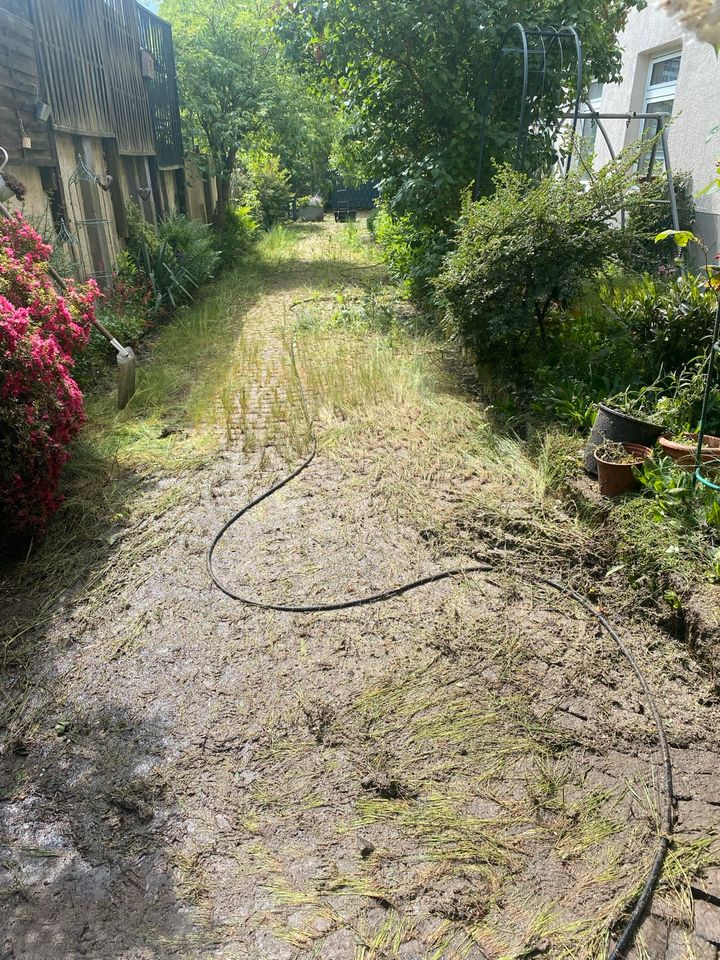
(681, 237)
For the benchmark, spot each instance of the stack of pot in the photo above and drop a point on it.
(611, 424)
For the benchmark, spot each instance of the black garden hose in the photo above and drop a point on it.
(627, 935)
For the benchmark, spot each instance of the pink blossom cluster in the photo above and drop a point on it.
(41, 405)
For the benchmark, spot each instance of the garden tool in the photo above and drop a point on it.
(125, 357)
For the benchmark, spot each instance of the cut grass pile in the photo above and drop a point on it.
(471, 799)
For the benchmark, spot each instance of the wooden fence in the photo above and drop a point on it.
(90, 54)
(156, 38)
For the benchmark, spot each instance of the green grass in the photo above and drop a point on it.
(172, 427)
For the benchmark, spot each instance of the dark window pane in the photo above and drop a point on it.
(665, 71)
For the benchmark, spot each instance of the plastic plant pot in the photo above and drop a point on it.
(618, 478)
(313, 214)
(611, 424)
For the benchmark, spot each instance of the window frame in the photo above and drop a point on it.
(655, 93)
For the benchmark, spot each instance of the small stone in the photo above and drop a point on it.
(366, 847)
(707, 922)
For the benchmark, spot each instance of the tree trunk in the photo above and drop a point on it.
(224, 189)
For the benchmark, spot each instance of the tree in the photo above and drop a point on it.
(225, 66)
(239, 91)
(409, 76)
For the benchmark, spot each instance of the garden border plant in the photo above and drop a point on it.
(41, 404)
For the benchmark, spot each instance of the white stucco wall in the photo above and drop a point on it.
(651, 33)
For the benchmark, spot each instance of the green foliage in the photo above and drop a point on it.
(193, 244)
(666, 322)
(407, 75)
(414, 250)
(672, 489)
(525, 251)
(651, 214)
(570, 401)
(637, 343)
(300, 129)
(153, 262)
(239, 92)
(224, 73)
(126, 321)
(141, 235)
(673, 529)
(239, 232)
(171, 282)
(265, 187)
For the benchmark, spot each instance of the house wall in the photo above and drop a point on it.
(82, 58)
(650, 33)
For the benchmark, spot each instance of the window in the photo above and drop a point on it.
(659, 98)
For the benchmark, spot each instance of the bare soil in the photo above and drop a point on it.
(468, 771)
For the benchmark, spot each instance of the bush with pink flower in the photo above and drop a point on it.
(41, 405)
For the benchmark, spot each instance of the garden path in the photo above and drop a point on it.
(465, 772)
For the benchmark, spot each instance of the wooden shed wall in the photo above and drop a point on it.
(20, 87)
(90, 56)
(156, 37)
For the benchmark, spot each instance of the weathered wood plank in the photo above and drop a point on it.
(20, 89)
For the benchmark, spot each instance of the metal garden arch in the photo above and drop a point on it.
(536, 44)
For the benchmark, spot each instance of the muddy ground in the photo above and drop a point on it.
(469, 771)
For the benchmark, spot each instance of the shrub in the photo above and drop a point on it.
(414, 251)
(651, 214)
(193, 245)
(154, 263)
(41, 405)
(126, 312)
(141, 234)
(524, 251)
(667, 322)
(265, 187)
(238, 235)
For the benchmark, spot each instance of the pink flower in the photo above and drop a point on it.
(41, 405)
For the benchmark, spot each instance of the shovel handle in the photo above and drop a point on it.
(99, 325)
(60, 283)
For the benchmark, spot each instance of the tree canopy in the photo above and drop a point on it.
(240, 91)
(409, 76)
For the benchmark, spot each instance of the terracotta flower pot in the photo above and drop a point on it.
(684, 453)
(611, 424)
(618, 478)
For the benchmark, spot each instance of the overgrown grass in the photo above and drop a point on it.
(168, 429)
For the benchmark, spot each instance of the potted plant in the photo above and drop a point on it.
(616, 465)
(683, 449)
(680, 409)
(311, 208)
(629, 417)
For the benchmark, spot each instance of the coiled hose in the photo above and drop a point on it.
(632, 925)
